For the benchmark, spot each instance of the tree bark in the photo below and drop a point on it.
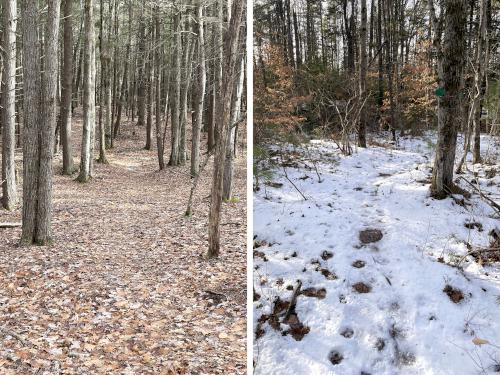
(141, 87)
(231, 40)
(67, 86)
(149, 98)
(450, 69)
(158, 70)
(32, 97)
(123, 90)
(478, 82)
(9, 186)
(176, 93)
(186, 79)
(200, 97)
(362, 76)
(48, 123)
(86, 163)
(230, 150)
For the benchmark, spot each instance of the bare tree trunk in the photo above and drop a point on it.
(298, 52)
(141, 87)
(231, 50)
(68, 167)
(478, 82)
(9, 186)
(200, 97)
(104, 100)
(79, 78)
(149, 98)
(47, 125)
(176, 93)
(86, 163)
(158, 69)
(231, 142)
(32, 97)
(380, 96)
(187, 59)
(116, 74)
(123, 90)
(450, 69)
(362, 76)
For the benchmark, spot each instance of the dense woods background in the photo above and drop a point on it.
(164, 65)
(336, 69)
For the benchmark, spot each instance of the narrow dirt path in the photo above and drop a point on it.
(123, 288)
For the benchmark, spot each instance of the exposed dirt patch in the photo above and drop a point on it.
(405, 358)
(328, 274)
(275, 185)
(362, 288)
(380, 344)
(335, 357)
(455, 294)
(358, 264)
(370, 235)
(297, 329)
(474, 225)
(313, 292)
(259, 243)
(492, 253)
(259, 254)
(347, 332)
(325, 255)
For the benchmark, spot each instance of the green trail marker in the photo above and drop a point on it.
(439, 92)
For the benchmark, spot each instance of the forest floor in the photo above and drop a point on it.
(386, 286)
(124, 288)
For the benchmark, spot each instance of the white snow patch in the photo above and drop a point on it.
(386, 189)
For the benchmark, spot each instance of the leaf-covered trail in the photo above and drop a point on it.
(121, 290)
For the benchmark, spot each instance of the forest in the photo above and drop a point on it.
(376, 187)
(123, 218)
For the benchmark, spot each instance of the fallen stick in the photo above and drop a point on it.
(296, 188)
(293, 301)
(9, 225)
(490, 201)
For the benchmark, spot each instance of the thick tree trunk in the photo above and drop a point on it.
(450, 70)
(32, 97)
(67, 85)
(231, 50)
(86, 162)
(9, 186)
(48, 122)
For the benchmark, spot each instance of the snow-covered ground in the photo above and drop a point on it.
(405, 323)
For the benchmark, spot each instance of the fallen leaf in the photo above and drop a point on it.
(479, 342)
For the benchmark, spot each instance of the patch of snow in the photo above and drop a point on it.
(422, 330)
